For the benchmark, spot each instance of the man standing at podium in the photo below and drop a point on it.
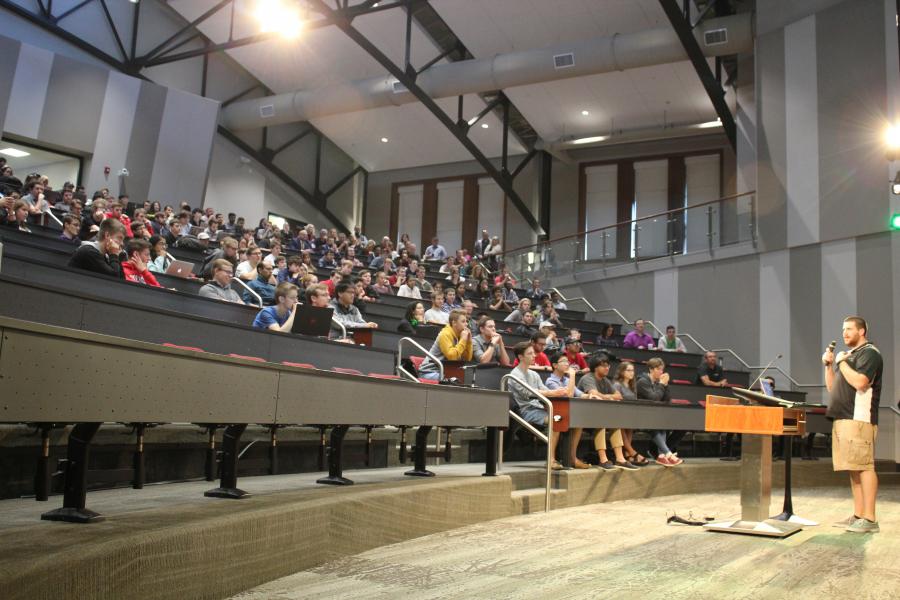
(853, 379)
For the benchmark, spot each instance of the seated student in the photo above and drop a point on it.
(637, 338)
(293, 272)
(331, 282)
(496, 302)
(327, 261)
(540, 362)
(607, 337)
(487, 346)
(219, 287)
(105, 255)
(560, 378)
(597, 385)
(17, 218)
(247, 269)
(117, 211)
(344, 310)
(454, 342)
(408, 287)
(362, 298)
(624, 383)
(90, 222)
(436, 315)
(557, 301)
(572, 349)
(136, 268)
(413, 318)
(279, 317)
(138, 230)
(228, 250)
(530, 407)
(261, 285)
(451, 302)
(548, 328)
(671, 343)
(548, 313)
(382, 285)
(71, 227)
(509, 294)
(527, 327)
(159, 256)
(710, 372)
(516, 315)
(654, 386)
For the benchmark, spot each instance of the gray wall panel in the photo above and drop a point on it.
(29, 91)
(805, 334)
(144, 139)
(114, 132)
(632, 295)
(771, 143)
(9, 50)
(851, 106)
(875, 303)
(74, 102)
(774, 309)
(839, 288)
(718, 304)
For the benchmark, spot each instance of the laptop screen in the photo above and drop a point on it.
(767, 388)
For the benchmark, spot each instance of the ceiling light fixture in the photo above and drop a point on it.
(274, 16)
(472, 121)
(585, 113)
(384, 140)
(590, 140)
(708, 124)
(14, 152)
(484, 125)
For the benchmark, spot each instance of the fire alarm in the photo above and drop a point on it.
(106, 170)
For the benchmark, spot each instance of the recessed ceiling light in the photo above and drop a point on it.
(484, 125)
(585, 113)
(14, 152)
(384, 140)
(590, 140)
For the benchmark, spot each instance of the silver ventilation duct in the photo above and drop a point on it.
(717, 37)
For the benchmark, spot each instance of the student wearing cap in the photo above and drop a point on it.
(548, 328)
(573, 353)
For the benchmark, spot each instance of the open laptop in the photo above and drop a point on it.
(181, 268)
(312, 320)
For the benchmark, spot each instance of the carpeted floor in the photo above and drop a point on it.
(623, 550)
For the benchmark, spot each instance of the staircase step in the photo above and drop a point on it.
(531, 500)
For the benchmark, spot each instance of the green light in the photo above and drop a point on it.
(895, 222)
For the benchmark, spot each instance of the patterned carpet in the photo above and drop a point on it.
(623, 550)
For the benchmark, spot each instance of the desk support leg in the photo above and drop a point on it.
(42, 470)
(76, 468)
(138, 457)
(419, 453)
(335, 465)
(273, 450)
(491, 445)
(210, 467)
(403, 444)
(228, 484)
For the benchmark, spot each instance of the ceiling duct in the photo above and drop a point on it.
(589, 57)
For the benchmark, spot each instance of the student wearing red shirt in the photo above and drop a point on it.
(116, 212)
(136, 268)
(573, 353)
(541, 362)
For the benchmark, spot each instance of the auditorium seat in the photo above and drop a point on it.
(253, 358)
(191, 348)
(348, 371)
(298, 365)
(384, 376)
(681, 381)
(681, 401)
(417, 361)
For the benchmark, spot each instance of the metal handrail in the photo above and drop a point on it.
(895, 409)
(746, 365)
(248, 288)
(52, 216)
(409, 340)
(341, 326)
(630, 221)
(544, 438)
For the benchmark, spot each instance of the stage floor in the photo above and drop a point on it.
(623, 550)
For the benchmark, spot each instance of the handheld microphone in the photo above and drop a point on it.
(761, 373)
(831, 346)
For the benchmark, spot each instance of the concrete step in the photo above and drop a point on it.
(531, 500)
(533, 477)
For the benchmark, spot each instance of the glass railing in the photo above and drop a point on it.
(701, 228)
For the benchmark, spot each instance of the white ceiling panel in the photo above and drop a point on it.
(637, 98)
(415, 136)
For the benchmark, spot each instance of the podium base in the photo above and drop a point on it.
(767, 528)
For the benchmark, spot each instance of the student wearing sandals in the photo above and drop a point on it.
(625, 384)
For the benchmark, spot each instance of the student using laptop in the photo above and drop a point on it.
(279, 317)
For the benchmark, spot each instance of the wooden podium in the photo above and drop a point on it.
(757, 424)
